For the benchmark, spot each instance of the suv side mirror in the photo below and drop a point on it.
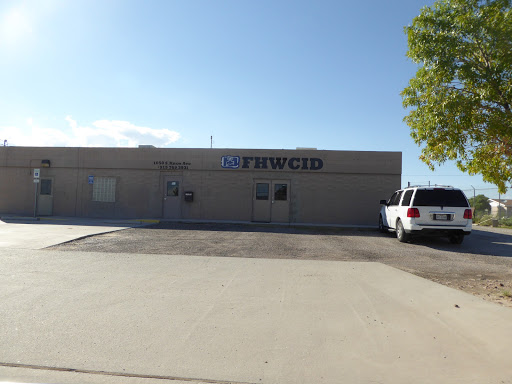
(383, 202)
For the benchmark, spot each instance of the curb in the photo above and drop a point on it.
(134, 221)
(68, 219)
(19, 218)
(146, 222)
(274, 225)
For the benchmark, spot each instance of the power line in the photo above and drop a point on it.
(434, 175)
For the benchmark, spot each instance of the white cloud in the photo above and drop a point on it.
(34, 136)
(103, 133)
(126, 134)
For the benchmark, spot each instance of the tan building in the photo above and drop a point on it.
(285, 186)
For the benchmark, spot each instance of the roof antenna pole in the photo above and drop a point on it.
(499, 206)
(211, 142)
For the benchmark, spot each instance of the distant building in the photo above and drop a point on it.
(501, 207)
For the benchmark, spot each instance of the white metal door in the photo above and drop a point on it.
(280, 212)
(45, 197)
(261, 201)
(172, 197)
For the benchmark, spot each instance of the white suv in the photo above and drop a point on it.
(422, 210)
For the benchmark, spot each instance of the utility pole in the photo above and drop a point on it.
(499, 206)
(474, 200)
(211, 142)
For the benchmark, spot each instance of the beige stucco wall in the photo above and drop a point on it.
(346, 190)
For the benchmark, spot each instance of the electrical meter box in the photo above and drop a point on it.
(189, 196)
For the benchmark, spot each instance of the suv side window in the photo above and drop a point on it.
(392, 198)
(395, 199)
(407, 197)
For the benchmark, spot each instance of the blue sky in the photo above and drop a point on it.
(252, 74)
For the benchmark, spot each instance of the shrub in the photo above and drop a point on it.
(484, 220)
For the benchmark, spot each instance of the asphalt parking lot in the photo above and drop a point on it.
(482, 265)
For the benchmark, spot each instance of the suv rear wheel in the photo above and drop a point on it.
(457, 239)
(400, 232)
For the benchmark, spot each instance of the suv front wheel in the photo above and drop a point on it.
(382, 228)
(401, 235)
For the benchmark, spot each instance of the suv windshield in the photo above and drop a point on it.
(440, 197)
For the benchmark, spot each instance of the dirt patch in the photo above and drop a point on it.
(496, 289)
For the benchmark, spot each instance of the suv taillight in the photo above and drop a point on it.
(468, 214)
(413, 212)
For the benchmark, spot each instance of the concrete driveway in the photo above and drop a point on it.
(482, 265)
(26, 233)
(100, 317)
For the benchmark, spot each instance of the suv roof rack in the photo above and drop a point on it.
(430, 185)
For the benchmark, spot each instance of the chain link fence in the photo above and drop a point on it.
(489, 206)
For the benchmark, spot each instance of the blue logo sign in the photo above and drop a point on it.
(91, 179)
(232, 162)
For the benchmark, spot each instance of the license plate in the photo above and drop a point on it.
(441, 217)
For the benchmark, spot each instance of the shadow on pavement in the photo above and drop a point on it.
(480, 242)
(88, 222)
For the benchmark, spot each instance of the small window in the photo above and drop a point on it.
(280, 192)
(46, 187)
(104, 189)
(407, 197)
(262, 191)
(173, 188)
(395, 199)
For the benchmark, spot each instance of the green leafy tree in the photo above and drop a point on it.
(480, 203)
(460, 100)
